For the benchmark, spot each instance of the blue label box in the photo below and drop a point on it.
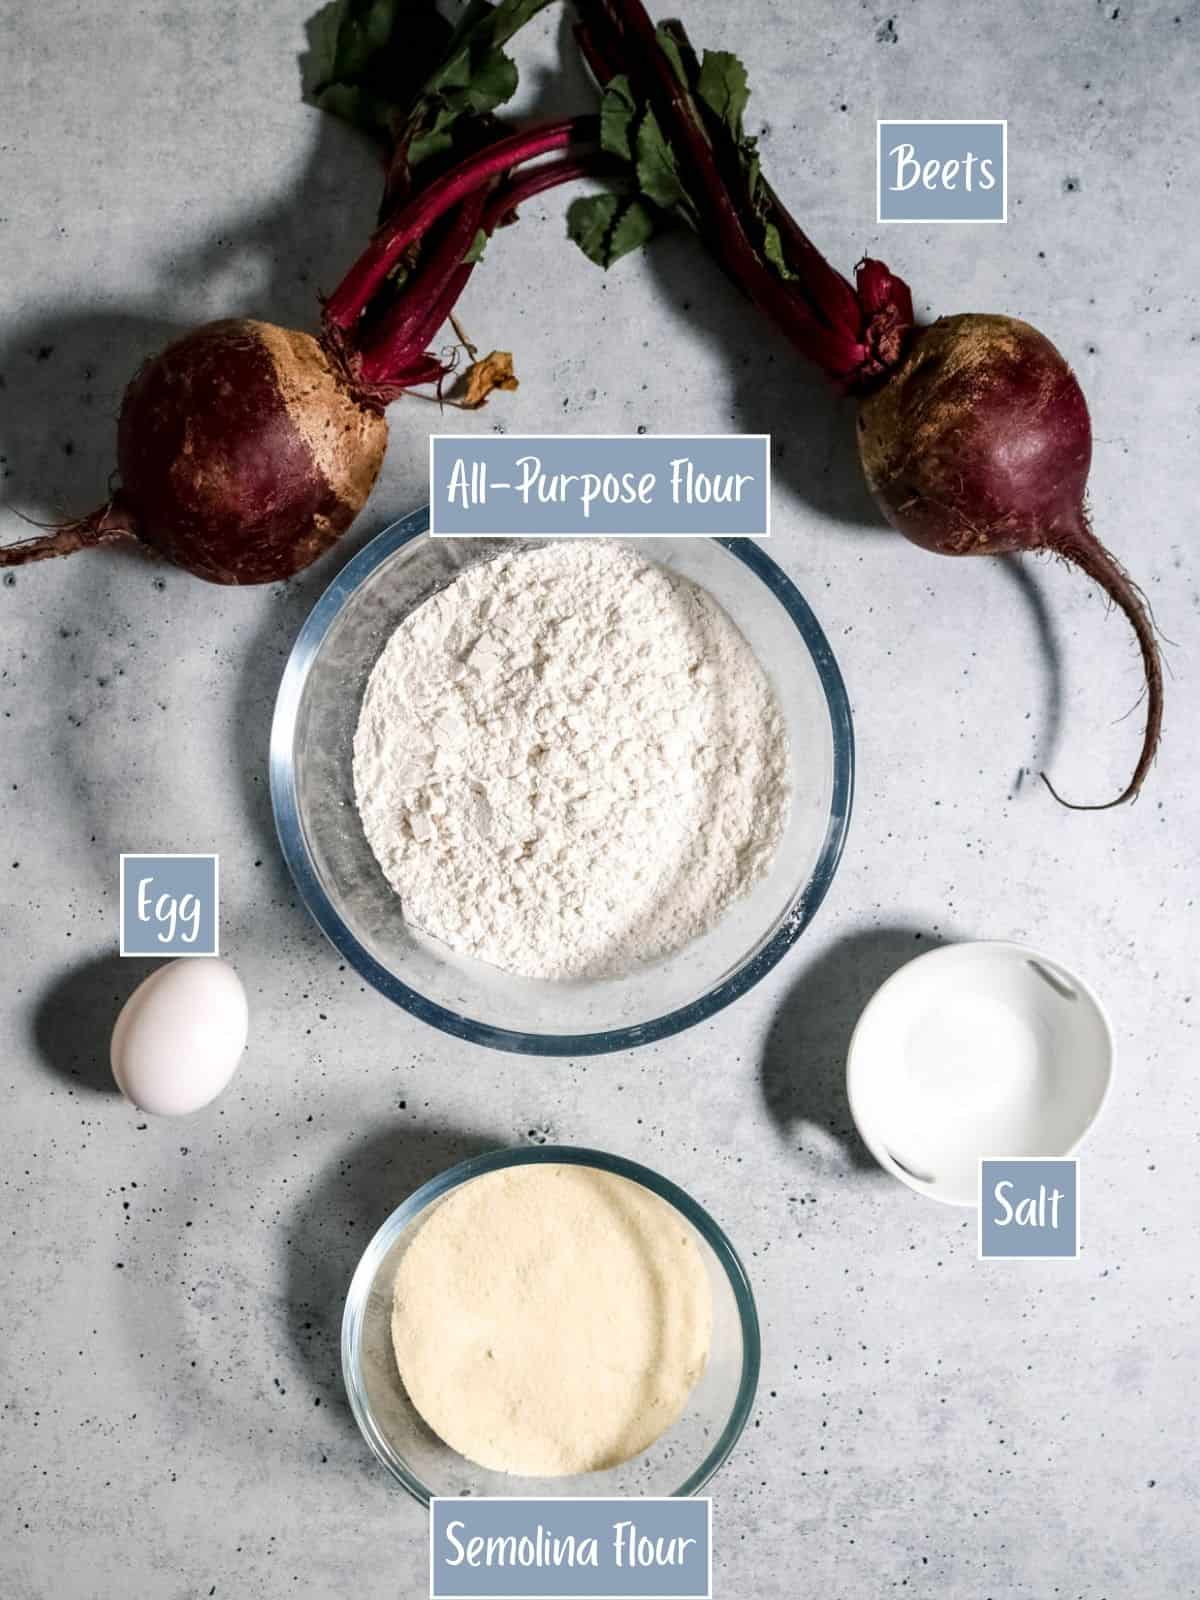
(627, 1549)
(542, 486)
(169, 905)
(1028, 1209)
(942, 172)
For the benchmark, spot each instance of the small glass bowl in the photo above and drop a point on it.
(680, 1462)
(312, 791)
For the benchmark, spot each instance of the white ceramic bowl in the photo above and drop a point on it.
(973, 1050)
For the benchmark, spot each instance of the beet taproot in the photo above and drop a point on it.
(979, 443)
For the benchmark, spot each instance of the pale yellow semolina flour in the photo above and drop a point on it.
(551, 1319)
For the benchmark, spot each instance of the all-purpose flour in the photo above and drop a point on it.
(568, 762)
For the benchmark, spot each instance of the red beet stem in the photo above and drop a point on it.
(398, 344)
(426, 369)
(388, 243)
(832, 296)
(475, 28)
(622, 31)
(829, 297)
(110, 524)
(386, 368)
(565, 169)
(1083, 550)
(602, 68)
(817, 310)
(401, 334)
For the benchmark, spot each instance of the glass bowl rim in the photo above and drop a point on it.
(284, 804)
(563, 1155)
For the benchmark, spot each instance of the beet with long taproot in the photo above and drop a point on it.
(973, 432)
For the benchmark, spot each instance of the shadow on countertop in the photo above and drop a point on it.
(803, 1069)
(73, 1017)
(332, 1226)
(1023, 574)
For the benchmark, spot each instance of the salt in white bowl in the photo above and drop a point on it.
(976, 1050)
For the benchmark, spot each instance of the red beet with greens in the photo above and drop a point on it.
(973, 432)
(244, 450)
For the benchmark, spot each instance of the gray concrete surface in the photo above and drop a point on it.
(172, 1419)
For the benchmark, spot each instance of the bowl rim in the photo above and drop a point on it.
(539, 1155)
(295, 850)
(941, 955)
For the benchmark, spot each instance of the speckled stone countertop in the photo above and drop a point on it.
(171, 1414)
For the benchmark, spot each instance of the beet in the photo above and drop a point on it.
(243, 455)
(973, 432)
(979, 443)
(245, 449)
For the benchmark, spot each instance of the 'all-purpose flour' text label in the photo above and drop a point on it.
(617, 485)
(636, 1549)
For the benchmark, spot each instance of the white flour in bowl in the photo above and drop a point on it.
(568, 762)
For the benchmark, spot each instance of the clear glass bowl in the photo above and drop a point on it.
(312, 790)
(679, 1463)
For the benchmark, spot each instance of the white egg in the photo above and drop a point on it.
(180, 1035)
